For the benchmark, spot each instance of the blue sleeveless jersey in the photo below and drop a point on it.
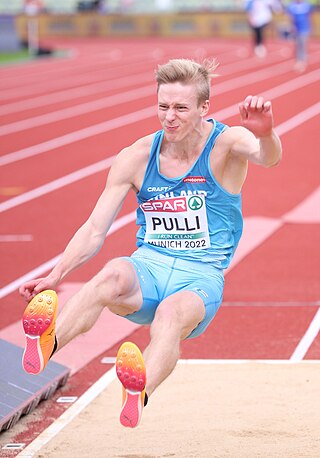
(190, 217)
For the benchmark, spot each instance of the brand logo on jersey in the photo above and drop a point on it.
(158, 188)
(194, 180)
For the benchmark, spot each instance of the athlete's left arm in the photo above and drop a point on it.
(257, 140)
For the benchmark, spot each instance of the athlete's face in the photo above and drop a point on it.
(179, 111)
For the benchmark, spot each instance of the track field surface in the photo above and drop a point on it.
(256, 369)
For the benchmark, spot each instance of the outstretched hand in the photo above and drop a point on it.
(31, 288)
(256, 115)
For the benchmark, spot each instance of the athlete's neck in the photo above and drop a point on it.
(190, 147)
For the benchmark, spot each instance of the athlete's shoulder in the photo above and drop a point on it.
(134, 156)
(232, 134)
(235, 139)
(130, 161)
(140, 146)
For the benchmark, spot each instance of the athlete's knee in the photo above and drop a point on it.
(166, 318)
(108, 283)
(178, 317)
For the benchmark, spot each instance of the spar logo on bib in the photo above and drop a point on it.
(179, 223)
(175, 204)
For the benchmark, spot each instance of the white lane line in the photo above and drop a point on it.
(98, 61)
(246, 361)
(16, 238)
(77, 110)
(279, 91)
(70, 69)
(307, 340)
(66, 418)
(300, 118)
(256, 230)
(67, 139)
(293, 84)
(90, 88)
(40, 270)
(271, 303)
(209, 362)
(285, 127)
(50, 84)
(73, 93)
(134, 94)
(56, 184)
(34, 273)
(305, 211)
(145, 113)
(97, 87)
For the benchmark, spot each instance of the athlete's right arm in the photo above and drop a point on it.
(89, 238)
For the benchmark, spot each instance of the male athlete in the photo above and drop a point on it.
(188, 179)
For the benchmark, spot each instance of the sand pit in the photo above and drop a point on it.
(229, 410)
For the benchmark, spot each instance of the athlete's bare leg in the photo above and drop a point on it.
(116, 286)
(176, 317)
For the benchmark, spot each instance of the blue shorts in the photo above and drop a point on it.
(161, 275)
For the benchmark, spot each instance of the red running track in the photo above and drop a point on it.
(62, 122)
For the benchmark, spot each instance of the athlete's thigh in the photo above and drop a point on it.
(148, 292)
(123, 277)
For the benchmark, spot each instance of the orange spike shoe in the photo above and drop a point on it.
(38, 322)
(131, 372)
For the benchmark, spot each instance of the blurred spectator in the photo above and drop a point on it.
(163, 5)
(259, 13)
(103, 6)
(126, 5)
(33, 7)
(93, 5)
(299, 12)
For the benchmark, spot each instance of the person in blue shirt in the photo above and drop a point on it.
(299, 12)
(187, 178)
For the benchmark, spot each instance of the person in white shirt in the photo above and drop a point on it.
(260, 14)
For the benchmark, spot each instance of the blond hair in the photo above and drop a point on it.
(187, 71)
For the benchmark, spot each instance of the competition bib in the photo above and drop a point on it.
(179, 223)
